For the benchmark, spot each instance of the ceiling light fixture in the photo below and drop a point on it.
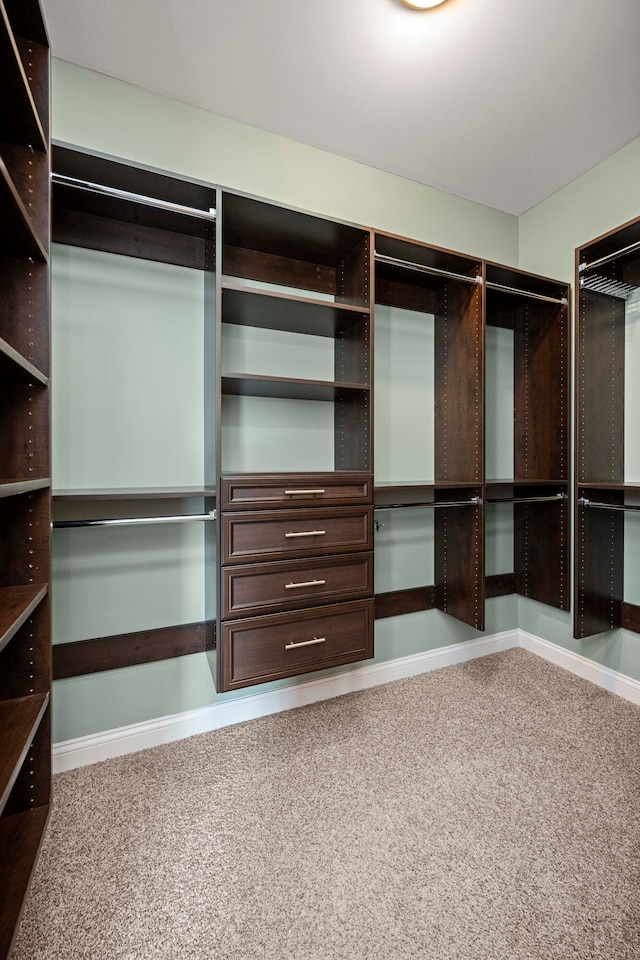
(422, 4)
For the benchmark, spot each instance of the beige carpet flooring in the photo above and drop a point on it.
(489, 811)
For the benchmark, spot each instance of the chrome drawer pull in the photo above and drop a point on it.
(298, 493)
(305, 643)
(307, 583)
(307, 533)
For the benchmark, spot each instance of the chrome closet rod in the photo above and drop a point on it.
(422, 268)
(525, 293)
(132, 521)
(584, 502)
(557, 497)
(474, 502)
(610, 256)
(133, 197)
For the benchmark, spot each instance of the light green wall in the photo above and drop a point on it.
(118, 119)
(600, 200)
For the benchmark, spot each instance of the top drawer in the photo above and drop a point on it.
(252, 491)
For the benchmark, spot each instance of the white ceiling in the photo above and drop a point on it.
(499, 101)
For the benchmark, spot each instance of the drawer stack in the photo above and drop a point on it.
(296, 576)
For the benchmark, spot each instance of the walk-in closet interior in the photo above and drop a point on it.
(270, 432)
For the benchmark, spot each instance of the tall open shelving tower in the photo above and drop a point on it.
(25, 650)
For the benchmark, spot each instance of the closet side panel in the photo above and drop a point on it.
(541, 392)
(458, 384)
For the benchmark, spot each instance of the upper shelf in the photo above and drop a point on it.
(412, 275)
(105, 205)
(18, 236)
(251, 307)
(267, 243)
(25, 17)
(615, 250)
(509, 287)
(22, 123)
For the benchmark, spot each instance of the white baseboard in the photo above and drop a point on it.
(139, 736)
(604, 677)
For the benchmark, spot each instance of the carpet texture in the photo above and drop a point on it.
(488, 811)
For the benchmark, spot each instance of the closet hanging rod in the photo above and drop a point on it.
(582, 267)
(585, 502)
(473, 502)
(423, 268)
(132, 521)
(525, 293)
(90, 187)
(550, 499)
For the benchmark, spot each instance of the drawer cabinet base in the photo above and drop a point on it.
(258, 649)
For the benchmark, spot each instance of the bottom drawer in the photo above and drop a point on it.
(282, 645)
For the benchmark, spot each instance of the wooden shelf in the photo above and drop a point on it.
(19, 722)
(250, 307)
(286, 388)
(264, 226)
(413, 253)
(14, 488)
(21, 124)
(524, 283)
(413, 492)
(14, 367)
(16, 606)
(20, 839)
(77, 165)
(17, 236)
(134, 493)
(496, 489)
(605, 485)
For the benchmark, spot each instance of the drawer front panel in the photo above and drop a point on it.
(267, 648)
(295, 490)
(269, 587)
(286, 534)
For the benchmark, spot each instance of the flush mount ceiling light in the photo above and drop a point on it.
(422, 4)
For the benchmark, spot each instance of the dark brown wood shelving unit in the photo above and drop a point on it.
(308, 570)
(287, 271)
(536, 310)
(607, 278)
(25, 640)
(447, 285)
(113, 207)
